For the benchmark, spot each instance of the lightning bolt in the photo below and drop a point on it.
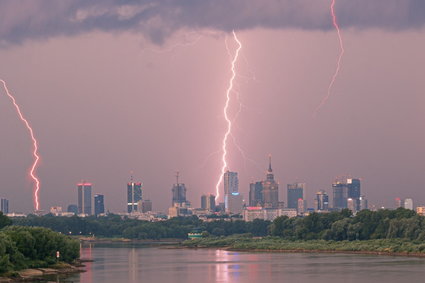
(226, 116)
(338, 65)
(35, 147)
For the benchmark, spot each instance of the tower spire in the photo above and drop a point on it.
(270, 163)
(177, 177)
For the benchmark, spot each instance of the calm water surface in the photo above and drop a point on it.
(126, 263)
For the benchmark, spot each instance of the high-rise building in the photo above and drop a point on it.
(99, 204)
(301, 206)
(231, 182)
(294, 193)
(208, 202)
(343, 189)
(179, 193)
(4, 206)
(408, 203)
(146, 205)
(84, 198)
(351, 205)
(256, 194)
(270, 189)
(134, 194)
(321, 201)
(233, 203)
(363, 203)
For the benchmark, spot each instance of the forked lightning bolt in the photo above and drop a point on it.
(35, 147)
(338, 65)
(226, 116)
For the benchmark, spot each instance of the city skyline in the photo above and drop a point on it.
(147, 96)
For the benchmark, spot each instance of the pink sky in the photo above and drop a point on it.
(103, 103)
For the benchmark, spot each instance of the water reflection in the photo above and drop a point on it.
(127, 263)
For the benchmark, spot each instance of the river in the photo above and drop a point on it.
(135, 263)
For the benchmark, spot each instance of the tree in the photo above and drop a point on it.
(4, 220)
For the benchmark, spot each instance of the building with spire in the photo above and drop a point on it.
(270, 189)
(134, 195)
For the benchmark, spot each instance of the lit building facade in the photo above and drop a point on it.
(134, 195)
(270, 189)
(408, 203)
(84, 198)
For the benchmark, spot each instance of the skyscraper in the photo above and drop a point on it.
(343, 189)
(208, 202)
(134, 194)
(321, 201)
(231, 182)
(408, 203)
(146, 205)
(179, 193)
(270, 189)
(233, 203)
(231, 192)
(294, 193)
(84, 198)
(4, 206)
(99, 204)
(256, 194)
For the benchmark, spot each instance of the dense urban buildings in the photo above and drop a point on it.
(99, 204)
(208, 202)
(321, 201)
(4, 205)
(295, 192)
(134, 195)
(346, 188)
(84, 198)
(270, 189)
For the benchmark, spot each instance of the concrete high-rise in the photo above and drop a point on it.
(343, 189)
(84, 198)
(321, 201)
(408, 203)
(231, 182)
(179, 193)
(256, 194)
(134, 195)
(4, 205)
(233, 203)
(99, 204)
(208, 202)
(295, 192)
(270, 189)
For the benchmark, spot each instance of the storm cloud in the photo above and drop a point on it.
(21, 20)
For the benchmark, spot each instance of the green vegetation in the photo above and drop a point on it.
(30, 247)
(113, 226)
(390, 246)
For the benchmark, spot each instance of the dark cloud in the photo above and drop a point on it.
(156, 19)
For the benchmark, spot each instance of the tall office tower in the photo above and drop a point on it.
(179, 193)
(84, 198)
(231, 186)
(408, 203)
(398, 203)
(270, 189)
(344, 188)
(4, 206)
(146, 205)
(231, 182)
(233, 203)
(295, 192)
(208, 202)
(256, 194)
(363, 203)
(321, 201)
(301, 206)
(99, 204)
(134, 194)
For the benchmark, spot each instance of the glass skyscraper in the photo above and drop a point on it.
(84, 198)
(134, 195)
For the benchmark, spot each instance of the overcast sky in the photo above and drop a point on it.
(117, 86)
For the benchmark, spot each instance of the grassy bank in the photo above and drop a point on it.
(379, 246)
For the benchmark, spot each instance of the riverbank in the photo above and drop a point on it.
(41, 274)
(100, 240)
(391, 247)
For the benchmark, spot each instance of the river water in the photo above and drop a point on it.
(127, 263)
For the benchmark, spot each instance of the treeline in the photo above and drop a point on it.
(27, 247)
(338, 226)
(114, 226)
